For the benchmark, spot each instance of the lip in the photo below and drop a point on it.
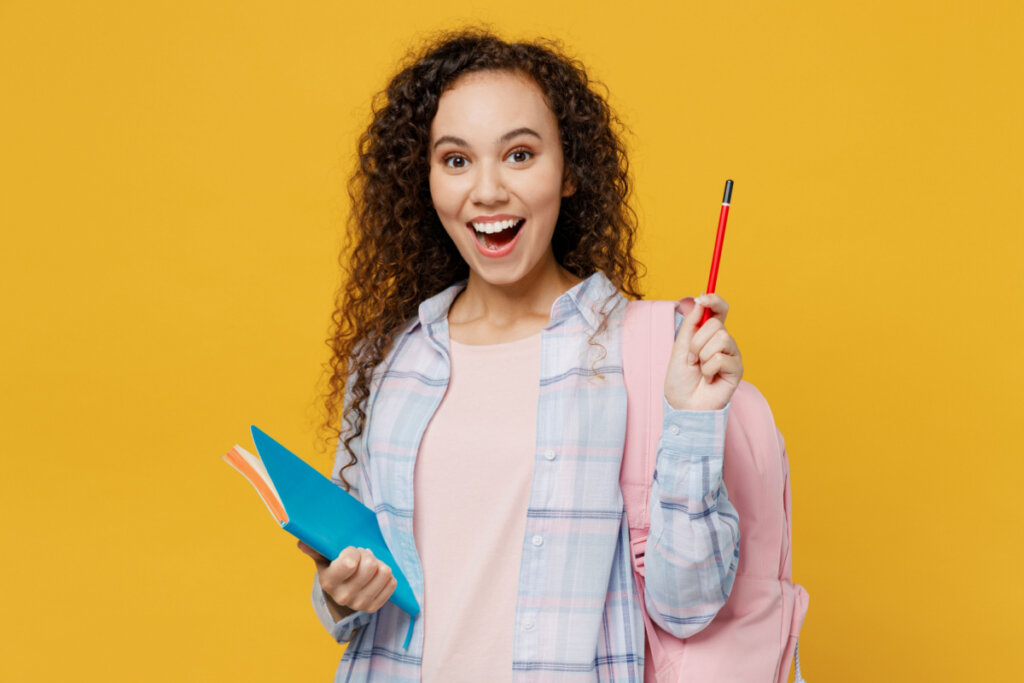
(503, 251)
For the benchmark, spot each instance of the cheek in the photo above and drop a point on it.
(550, 185)
(547, 193)
(444, 195)
(446, 205)
(435, 190)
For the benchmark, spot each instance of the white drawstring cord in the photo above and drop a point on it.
(796, 655)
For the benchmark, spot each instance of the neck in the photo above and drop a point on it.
(520, 308)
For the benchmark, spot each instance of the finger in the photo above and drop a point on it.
(369, 593)
(704, 334)
(356, 587)
(689, 327)
(347, 575)
(366, 571)
(384, 595)
(320, 560)
(346, 565)
(719, 307)
(721, 366)
(720, 342)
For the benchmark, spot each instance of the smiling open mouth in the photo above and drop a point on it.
(497, 235)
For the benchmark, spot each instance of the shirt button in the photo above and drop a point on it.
(674, 429)
(538, 541)
(528, 624)
(549, 454)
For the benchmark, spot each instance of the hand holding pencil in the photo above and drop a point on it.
(706, 365)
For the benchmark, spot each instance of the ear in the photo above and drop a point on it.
(568, 184)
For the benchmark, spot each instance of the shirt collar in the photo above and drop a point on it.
(435, 309)
(589, 297)
(593, 298)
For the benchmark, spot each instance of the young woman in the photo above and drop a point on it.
(477, 353)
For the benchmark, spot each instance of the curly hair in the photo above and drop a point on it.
(397, 252)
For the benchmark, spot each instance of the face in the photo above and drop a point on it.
(496, 171)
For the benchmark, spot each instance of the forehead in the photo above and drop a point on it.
(486, 104)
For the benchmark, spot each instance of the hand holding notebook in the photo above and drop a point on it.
(317, 511)
(354, 581)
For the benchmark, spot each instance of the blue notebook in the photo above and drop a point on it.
(315, 510)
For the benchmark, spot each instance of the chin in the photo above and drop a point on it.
(501, 277)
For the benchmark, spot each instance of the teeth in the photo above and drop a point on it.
(498, 226)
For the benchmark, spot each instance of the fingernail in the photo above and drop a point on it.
(702, 300)
(691, 359)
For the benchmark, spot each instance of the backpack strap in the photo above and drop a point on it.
(756, 473)
(648, 337)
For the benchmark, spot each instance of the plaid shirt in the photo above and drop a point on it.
(577, 613)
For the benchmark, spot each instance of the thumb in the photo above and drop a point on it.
(692, 312)
(683, 376)
(685, 305)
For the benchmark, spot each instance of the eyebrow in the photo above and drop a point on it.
(503, 139)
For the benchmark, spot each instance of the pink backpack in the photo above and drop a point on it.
(753, 637)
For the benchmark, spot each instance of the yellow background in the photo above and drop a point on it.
(171, 202)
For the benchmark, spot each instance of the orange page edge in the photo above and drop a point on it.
(270, 499)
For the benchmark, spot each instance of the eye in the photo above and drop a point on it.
(455, 161)
(520, 155)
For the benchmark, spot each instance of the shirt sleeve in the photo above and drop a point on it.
(342, 631)
(693, 543)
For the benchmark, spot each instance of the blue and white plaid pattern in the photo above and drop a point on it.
(577, 616)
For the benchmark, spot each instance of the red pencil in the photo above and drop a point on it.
(719, 239)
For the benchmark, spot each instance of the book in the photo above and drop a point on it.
(315, 510)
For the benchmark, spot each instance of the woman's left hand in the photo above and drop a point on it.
(706, 366)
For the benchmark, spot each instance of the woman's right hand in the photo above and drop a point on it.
(355, 580)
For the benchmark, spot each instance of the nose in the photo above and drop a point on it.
(488, 186)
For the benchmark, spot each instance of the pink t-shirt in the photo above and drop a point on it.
(472, 490)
